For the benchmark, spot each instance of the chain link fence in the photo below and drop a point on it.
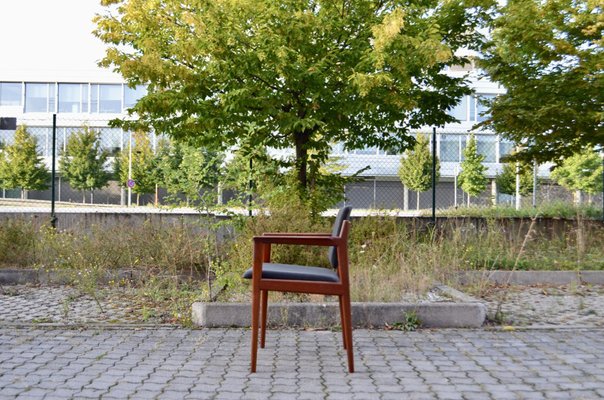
(380, 187)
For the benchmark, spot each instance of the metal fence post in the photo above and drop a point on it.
(53, 217)
(434, 175)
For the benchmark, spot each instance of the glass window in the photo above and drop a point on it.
(131, 96)
(110, 99)
(482, 111)
(52, 95)
(84, 97)
(505, 147)
(70, 97)
(449, 148)
(460, 111)
(94, 98)
(10, 94)
(486, 145)
(37, 97)
(463, 139)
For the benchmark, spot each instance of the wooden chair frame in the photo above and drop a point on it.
(261, 286)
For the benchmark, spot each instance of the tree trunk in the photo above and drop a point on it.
(83, 197)
(138, 197)
(468, 199)
(578, 197)
(91, 196)
(301, 140)
(417, 204)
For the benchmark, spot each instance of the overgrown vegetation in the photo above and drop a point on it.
(176, 264)
(545, 210)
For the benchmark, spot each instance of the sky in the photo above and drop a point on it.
(49, 35)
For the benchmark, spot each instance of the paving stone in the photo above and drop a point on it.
(182, 363)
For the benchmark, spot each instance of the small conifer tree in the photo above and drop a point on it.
(415, 169)
(472, 178)
(82, 163)
(506, 179)
(21, 166)
(581, 172)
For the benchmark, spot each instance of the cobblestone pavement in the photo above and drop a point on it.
(213, 364)
(64, 304)
(570, 305)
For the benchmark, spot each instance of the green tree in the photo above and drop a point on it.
(416, 167)
(21, 166)
(142, 165)
(291, 74)
(82, 163)
(258, 180)
(581, 172)
(190, 171)
(548, 55)
(506, 180)
(472, 178)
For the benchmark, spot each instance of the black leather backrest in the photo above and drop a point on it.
(343, 215)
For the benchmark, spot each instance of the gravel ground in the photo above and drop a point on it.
(571, 305)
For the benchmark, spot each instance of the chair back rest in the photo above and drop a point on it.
(343, 215)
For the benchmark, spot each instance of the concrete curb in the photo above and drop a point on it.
(326, 315)
(533, 277)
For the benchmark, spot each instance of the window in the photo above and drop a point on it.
(39, 97)
(110, 99)
(460, 111)
(486, 145)
(505, 147)
(10, 93)
(105, 98)
(94, 98)
(131, 96)
(73, 97)
(449, 148)
(478, 108)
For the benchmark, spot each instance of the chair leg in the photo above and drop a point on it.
(347, 325)
(255, 319)
(264, 296)
(342, 321)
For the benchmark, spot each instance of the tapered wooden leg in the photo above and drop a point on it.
(255, 319)
(342, 321)
(347, 322)
(264, 296)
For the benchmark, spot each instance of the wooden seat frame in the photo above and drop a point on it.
(261, 286)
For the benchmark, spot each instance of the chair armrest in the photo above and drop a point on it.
(302, 240)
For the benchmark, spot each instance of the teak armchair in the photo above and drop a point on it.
(267, 276)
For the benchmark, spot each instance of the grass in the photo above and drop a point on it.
(182, 263)
(544, 210)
